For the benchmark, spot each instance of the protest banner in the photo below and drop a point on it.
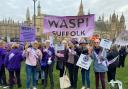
(122, 39)
(72, 26)
(105, 43)
(83, 62)
(27, 34)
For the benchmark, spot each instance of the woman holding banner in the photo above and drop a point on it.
(100, 65)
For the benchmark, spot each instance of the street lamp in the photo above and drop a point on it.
(34, 2)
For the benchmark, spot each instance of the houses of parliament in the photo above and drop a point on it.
(104, 28)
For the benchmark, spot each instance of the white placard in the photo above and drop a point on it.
(83, 62)
(59, 47)
(105, 43)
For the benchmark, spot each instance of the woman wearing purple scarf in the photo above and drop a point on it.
(48, 57)
(2, 66)
(13, 63)
(100, 66)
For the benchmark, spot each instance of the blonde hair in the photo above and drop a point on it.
(14, 45)
(35, 43)
(2, 43)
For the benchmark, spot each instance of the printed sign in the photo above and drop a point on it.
(27, 34)
(84, 62)
(122, 39)
(59, 47)
(82, 26)
(105, 43)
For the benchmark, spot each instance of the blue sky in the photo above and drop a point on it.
(16, 9)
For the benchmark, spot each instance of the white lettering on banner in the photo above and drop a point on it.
(84, 61)
(105, 43)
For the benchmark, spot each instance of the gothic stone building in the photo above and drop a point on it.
(9, 28)
(110, 28)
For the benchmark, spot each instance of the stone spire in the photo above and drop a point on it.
(89, 12)
(103, 17)
(122, 22)
(122, 19)
(39, 9)
(110, 18)
(81, 10)
(114, 17)
(28, 15)
(99, 19)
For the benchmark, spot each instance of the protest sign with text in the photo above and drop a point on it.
(105, 43)
(59, 47)
(82, 26)
(84, 61)
(27, 34)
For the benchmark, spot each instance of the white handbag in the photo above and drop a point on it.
(64, 81)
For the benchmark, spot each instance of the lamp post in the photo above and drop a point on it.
(34, 2)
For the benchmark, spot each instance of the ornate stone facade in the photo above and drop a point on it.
(110, 28)
(9, 28)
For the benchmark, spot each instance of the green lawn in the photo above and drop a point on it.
(122, 75)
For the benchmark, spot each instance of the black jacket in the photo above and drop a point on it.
(110, 56)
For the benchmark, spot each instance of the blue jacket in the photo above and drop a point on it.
(99, 67)
(2, 56)
(14, 62)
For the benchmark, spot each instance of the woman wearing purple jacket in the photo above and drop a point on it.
(13, 63)
(49, 56)
(3, 82)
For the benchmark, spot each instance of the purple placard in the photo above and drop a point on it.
(70, 25)
(27, 34)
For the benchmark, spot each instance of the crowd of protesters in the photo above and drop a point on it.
(40, 59)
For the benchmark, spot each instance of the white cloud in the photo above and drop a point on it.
(16, 9)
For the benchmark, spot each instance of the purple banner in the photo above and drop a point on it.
(27, 34)
(70, 25)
